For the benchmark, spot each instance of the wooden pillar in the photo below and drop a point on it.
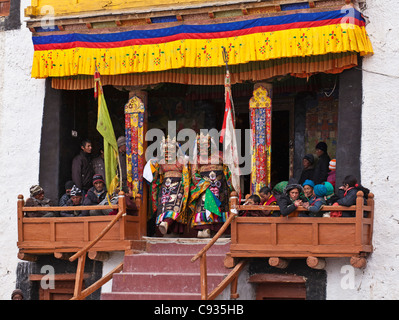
(141, 200)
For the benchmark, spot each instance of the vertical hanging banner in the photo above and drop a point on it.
(260, 106)
(134, 121)
(105, 128)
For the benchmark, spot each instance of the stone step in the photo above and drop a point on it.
(163, 282)
(153, 262)
(150, 296)
(186, 246)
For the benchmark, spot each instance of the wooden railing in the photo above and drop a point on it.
(261, 239)
(233, 276)
(81, 254)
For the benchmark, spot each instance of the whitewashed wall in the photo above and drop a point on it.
(21, 110)
(379, 162)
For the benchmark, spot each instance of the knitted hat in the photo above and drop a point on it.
(289, 187)
(320, 190)
(329, 188)
(35, 190)
(333, 164)
(308, 183)
(322, 146)
(69, 184)
(75, 191)
(309, 157)
(97, 178)
(121, 141)
(279, 187)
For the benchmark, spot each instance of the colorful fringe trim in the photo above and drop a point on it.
(199, 46)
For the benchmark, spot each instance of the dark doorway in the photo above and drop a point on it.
(280, 146)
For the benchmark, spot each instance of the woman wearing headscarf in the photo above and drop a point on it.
(290, 200)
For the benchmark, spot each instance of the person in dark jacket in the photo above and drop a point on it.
(82, 169)
(37, 199)
(95, 196)
(321, 170)
(75, 200)
(66, 196)
(308, 168)
(290, 200)
(347, 194)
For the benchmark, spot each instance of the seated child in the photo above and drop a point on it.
(316, 202)
(66, 196)
(252, 200)
(75, 200)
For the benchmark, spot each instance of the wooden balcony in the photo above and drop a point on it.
(279, 238)
(68, 235)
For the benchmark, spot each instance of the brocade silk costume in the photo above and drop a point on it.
(209, 193)
(170, 191)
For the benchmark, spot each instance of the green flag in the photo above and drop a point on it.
(105, 128)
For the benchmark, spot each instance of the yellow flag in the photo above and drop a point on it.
(105, 128)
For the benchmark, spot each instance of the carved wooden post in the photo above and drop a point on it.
(20, 212)
(359, 218)
(122, 202)
(233, 200)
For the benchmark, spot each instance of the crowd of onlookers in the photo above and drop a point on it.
(314, 189)
(87, 187)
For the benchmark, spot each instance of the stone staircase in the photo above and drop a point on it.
(165, 271)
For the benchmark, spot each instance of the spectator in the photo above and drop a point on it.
(308, 168)
(308, 186)
(17, 295)
(316, 202)
(98, 164)
(37, 199)
(278, 189)
(321, 169)
(267, 199)
(290, 200)
(95, 196)
(82, 169)
(348, 194)
(251, 201)
(331, 175)
(122, 160)
(75, 200)
(66, 196)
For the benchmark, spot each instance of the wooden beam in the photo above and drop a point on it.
(229, 262)
(279, 262)
(27, 257)
(316, 263)
(358, 262)
(63, 255)
(98, 255)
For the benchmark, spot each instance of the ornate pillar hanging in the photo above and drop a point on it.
(260, 106)
(134, 122)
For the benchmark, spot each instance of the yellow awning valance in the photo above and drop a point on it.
(200, 46)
